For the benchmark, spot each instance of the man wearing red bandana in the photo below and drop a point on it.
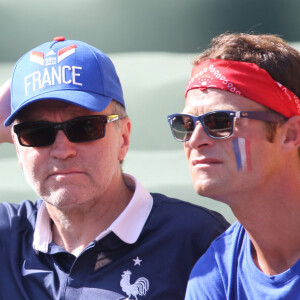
(241, 132)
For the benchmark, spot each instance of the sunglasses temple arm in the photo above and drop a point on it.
(260, 116)
(112, 118)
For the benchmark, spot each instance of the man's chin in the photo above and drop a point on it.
(207, 189)
(61, 199)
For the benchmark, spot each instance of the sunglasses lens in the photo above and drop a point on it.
(86, 129)
(82, 129)
(182, 127)
(36, 135)
(218, 124)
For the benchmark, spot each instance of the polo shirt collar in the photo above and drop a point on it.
(127, 226)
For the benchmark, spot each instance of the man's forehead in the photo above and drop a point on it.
(215, 99)
(52, 105)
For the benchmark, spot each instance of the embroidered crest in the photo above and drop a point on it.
(138, 288)
(51, 57)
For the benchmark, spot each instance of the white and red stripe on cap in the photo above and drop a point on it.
(65, 52)
(37, 57)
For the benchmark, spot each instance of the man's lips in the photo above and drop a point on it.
(205, 161)
(64, 173)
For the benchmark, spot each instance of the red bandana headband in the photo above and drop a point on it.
(244, 79)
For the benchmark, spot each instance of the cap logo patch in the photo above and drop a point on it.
(54, 75)
(51, 57)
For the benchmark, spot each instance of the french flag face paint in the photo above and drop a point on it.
(241, 148)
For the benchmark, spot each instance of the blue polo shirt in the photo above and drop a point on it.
(146, 253)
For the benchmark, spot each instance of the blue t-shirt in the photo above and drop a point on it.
(156, 266)
(227, 271)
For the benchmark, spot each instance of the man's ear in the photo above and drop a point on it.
(290, 134)
(125, 137)
(17, 145)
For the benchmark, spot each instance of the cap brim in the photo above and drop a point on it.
(87, 100)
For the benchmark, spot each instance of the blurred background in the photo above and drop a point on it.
(152, 44)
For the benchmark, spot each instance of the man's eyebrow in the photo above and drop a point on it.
(190, 110)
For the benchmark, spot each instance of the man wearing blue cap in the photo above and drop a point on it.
(95, 233)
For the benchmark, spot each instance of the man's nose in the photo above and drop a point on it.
(62, 148)
(199, 137)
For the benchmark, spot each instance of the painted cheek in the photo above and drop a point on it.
(242, 152)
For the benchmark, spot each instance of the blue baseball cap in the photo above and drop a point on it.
(66, 70)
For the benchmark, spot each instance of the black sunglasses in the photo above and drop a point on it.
(216, 124)
(77, 130)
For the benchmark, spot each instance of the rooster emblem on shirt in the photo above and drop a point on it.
(139, 288)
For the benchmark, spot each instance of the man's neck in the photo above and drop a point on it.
(276, 260)
(272, 223)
